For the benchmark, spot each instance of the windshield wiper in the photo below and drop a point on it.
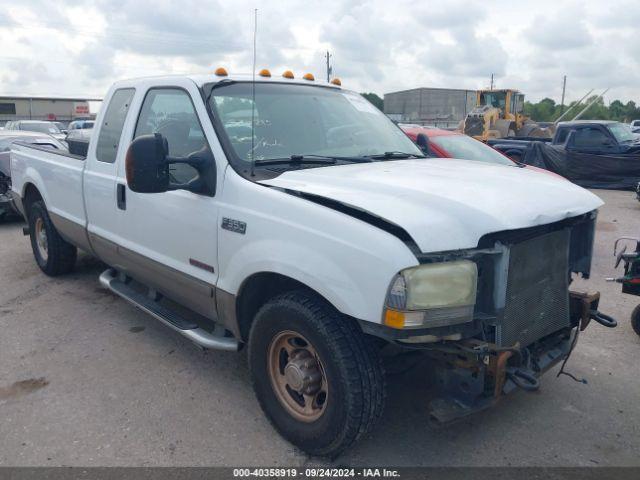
(395, 155)
(311, 160)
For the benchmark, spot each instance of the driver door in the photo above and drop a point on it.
(169, 240)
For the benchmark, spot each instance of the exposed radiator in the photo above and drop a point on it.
(537, 299)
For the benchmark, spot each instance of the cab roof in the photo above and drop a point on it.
(203, 79)
(586, 122)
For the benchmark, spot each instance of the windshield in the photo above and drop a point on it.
(291, 120)
(622, 132)
(42, 127)
(494, 99)
(467, 148)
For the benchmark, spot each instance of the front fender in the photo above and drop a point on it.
(335, 282)
(346, 260)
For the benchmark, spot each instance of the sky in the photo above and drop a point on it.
(81, 47)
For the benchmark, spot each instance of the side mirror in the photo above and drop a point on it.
(423, 143)
(146, 164)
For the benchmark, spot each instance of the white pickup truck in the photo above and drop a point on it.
(293, 217)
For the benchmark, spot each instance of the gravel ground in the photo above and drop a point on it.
(88, 380)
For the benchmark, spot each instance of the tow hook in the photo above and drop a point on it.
(603, 319)
(523, 379)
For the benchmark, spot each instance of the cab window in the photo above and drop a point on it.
(590, 137)
(111, 129)
(170, 112)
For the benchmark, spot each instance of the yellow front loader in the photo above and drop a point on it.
(498, 114)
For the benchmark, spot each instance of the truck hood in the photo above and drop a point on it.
(445, 204)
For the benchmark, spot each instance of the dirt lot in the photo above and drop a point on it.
(86, 379)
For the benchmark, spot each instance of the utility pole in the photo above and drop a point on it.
(564, 87)
(491, 84)
(329, 69)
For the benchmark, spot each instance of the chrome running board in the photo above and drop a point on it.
(110, 279)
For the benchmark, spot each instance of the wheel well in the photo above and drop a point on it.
(257, 290)
(31, 194)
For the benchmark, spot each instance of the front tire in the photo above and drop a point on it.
(635, 319)
(317, 377)
(54, 255)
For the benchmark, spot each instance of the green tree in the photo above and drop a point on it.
(597, 111)
(546, 110)
(617, 111)
(374, 99)
(631, 111)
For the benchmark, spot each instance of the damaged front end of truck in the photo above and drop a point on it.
(523, 320)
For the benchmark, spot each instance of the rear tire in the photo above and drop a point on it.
(341, 364)
(54, 255)
(635, 320)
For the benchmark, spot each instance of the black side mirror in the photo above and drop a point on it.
(423, 143)
(146, 164)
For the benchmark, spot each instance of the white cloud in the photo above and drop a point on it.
(376, 45)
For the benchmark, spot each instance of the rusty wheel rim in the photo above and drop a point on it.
(297, 376)
(41, 239)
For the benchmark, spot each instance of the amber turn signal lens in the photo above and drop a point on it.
(393, 318)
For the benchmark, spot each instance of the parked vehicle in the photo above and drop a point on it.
(81, 124)
(631, 279)
(61, 127)
(499, 113)
(39, 126)
(451, 144)
(295, 218)
(78, 141)
(600, 137)
(635, 126)
(7, 138)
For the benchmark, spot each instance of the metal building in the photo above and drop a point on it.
(61, 109)
(440, 107)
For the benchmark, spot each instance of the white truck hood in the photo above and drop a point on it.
(446, 204)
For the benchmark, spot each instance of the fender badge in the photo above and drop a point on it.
(234, 225)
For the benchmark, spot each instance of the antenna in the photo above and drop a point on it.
(253, 91)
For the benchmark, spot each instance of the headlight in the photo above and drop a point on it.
(432, 295)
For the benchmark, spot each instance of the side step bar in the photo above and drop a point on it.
(109, 279)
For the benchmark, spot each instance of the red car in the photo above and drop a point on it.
(448, 144)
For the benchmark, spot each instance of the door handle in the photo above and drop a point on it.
(121, 195)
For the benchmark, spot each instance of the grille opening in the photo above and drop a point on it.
(537, 291)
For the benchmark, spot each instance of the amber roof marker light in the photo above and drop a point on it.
(287, 74)
(264, 73)
(221, 72)
(309, 76)
(336, 81)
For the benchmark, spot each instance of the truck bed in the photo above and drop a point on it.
(58, 175)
